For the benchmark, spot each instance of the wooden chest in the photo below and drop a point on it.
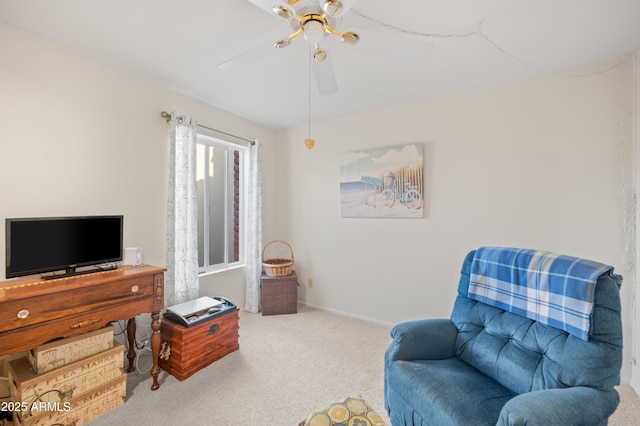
(279, 295)
(186, 350)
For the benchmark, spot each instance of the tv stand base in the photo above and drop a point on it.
(70, 272)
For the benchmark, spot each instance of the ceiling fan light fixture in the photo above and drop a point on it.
(282, 12)
(350, 38)
(319, 55)
(332, 7)
(313, 31)
(282, 43)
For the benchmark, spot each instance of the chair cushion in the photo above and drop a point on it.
(444, 392)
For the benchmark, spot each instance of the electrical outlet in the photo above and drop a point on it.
(310, 282)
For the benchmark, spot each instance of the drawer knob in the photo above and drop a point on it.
(135, 288)
(23, 314)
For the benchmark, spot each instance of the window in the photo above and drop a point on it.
(221, 189)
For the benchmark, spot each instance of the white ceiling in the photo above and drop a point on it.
(179, 44)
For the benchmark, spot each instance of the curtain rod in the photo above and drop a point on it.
(167, 117)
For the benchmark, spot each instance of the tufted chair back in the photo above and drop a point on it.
(524, 355)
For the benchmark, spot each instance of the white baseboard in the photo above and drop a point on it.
(346, 314)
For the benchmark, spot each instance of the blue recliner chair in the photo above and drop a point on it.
(534, 339)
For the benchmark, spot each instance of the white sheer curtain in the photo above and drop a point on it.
(254, 229)
(181, 279)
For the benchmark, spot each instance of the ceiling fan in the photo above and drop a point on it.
(314, 20)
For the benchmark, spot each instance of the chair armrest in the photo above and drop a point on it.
(568, 406)
(422, 339)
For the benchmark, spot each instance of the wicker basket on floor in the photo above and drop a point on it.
(277, 267)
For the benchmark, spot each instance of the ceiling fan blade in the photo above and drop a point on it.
(268, 5)
(393, 46)
(251, 55)
(325, 76)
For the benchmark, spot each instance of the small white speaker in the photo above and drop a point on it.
(132, 256)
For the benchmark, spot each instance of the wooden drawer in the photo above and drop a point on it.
(23, 339)
(193, 348)
(37, 309)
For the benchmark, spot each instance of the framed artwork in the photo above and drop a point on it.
(383, 182)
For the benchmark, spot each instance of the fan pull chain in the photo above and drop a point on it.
(308, 142)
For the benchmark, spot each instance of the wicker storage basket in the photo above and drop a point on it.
(277, 267)
(279, 295)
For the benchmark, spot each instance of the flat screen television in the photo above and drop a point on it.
(41, 245)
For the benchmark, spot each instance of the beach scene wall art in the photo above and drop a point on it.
(383, 182)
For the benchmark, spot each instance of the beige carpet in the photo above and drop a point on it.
(287, 366)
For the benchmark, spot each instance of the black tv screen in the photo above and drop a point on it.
(39, 245)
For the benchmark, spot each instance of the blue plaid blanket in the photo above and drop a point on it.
(553, 289)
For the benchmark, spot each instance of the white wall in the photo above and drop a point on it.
(80, 138)
(534, 164)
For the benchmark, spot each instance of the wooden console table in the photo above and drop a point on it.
(34, 311)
